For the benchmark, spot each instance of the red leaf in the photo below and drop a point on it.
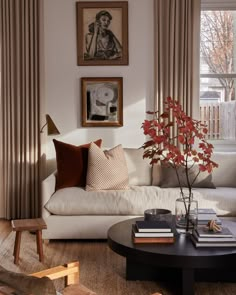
(204, 130)
(181, 139)
(191, 140)
(202, 167)
(164, 115)
(148, 143)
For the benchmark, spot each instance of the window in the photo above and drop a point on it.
(218, 73)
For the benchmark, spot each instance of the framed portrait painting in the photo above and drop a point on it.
(102, 102)
(102, 33)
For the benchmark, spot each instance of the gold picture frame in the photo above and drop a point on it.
(102, 33)
(102, 102)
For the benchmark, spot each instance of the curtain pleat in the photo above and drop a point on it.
(176, 70)
(20, 111)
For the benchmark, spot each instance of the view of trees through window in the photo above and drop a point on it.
(218, 73)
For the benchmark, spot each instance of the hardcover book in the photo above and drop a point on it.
(206, 211)
(205, 233)
(213, 238)
(207, 217)
(152, 226)
(212, 244)
(204, 220)
(153, 240)
(136, 233)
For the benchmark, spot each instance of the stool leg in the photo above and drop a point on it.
(39, 244)
(17, 247)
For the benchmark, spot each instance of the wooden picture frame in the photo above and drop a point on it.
(102, 102)
(102, 33)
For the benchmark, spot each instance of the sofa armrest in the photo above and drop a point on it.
(48, 189)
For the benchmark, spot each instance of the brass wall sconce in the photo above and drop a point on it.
(52, 129)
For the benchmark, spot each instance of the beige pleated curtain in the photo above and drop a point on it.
(20, 107)
(176, 50)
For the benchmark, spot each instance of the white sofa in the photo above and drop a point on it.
(73, 213)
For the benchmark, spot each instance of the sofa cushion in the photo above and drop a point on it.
(71, 164)
(225, 174)
(139, 169)
(156, 174)
(221, 199)
(76, 201)
(106, 169)
(169, 177)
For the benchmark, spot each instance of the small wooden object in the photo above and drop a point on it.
(71, 273)
(213, 226)
(20, 225)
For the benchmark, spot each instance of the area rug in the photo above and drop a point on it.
(101, 270)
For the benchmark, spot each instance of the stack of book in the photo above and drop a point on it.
(206, 214)
(152, 232)
(202, 237)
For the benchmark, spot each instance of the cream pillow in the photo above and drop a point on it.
(106, 170)
(139, 169)
(224, 175)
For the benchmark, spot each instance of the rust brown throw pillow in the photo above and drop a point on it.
(72, 163)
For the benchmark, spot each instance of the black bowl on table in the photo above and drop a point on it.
(158, 214)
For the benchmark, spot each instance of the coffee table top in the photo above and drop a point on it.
(180, 254)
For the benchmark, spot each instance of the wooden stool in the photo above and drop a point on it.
(20, 225)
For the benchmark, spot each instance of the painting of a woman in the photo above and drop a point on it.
(102, 33)
(101, 43)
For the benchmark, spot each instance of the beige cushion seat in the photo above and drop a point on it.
(222, 200)
(76, 201)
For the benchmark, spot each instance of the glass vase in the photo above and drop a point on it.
(186, 211)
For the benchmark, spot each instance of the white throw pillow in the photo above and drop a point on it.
(139, 169)
(106, 170)
(225, 174)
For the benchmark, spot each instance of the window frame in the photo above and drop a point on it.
(221, 145)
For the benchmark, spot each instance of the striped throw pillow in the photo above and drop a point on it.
(107, 170)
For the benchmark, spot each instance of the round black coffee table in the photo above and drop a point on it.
(180, 261)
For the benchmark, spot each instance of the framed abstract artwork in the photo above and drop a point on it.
(102, 102)
(102, 33)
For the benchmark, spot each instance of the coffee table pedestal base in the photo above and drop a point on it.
(182, 279)
(187, 284)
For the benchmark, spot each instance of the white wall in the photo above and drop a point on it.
(62, 76)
